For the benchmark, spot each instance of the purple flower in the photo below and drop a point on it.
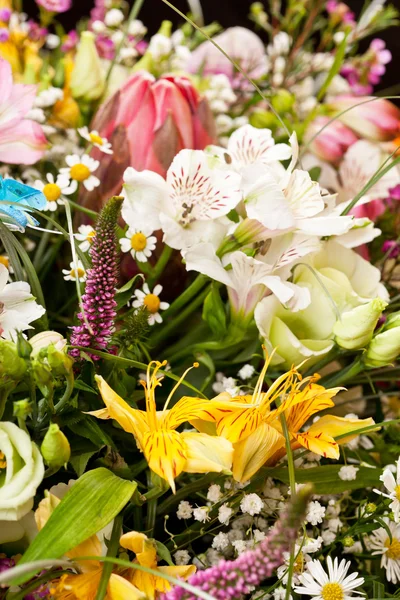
(55, 6)
(394, 192)
(392, 248)
(4, 34)
(5, 14)
(97, 319)
(71, 41)
(105, 47)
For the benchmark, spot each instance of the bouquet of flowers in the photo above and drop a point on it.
(199, 305)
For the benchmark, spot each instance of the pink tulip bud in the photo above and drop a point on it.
(56, 6)
(148, 122)
(333, 141)
(377, 120)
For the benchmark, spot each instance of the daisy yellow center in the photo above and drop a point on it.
(90, 236)
(4, 261)
(80, 172)
(396, 489)
(299, 563)
(52, 192)
(332, 591)
(77, 273)
(95, 139)
(3, 462)
(152, 303)
(393, 549)
(138, 241)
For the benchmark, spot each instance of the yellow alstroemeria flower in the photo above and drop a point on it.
(146, 555)
(168, 452)
(255, 430)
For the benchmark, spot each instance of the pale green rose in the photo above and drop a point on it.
(88, 79)
(385, 346)
(21, 472)
(338, 281)
(356, 326)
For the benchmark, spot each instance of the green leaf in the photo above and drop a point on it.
(81, 385)
(214, 312)
(89, 428)
(92, 502)
(124, 293)
(315, 173)
(163, 553)
(335, 68)
(378, 589)
(80, 462)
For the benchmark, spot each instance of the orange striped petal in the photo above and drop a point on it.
(120, 589)
(206, 453)
(139, 543)
(239, 424)
(318, 442)
(252, 453)
(187, 409)
(340, 425)
(166, 453)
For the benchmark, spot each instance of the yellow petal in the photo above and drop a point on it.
(340, 425)
(187, 409)
(180, 572)
(139, 543)
(131, 420)
(102, 413)
(78, 587)
(166, 453)
(251, 454)
(145, 582)
(239, 424)
(207, 453)
(121, 589)
(319, 442)
(204, 426)
(44, 510)
(90, 547)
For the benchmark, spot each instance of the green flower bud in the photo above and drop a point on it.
(44, 339)
(22, 408)
(392, 321)
(12, 366)
(88, 80)
(23, 346)
(256, 8)
(348, 541)
(60, 362)
(282, 101)
(370, 507)
(55, 447)
(383, 349)
(263, 119)
(356, 327)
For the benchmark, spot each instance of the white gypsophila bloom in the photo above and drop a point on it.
(333, 510)
(160, 46)
(180, 58)
(246, 372)
(48, 97)
(75, 272)
(328, 537)
(258, 535)
(224, 123)
(224, 514)
(117, 37)
(80, 169)
(182, 557)
(240, 546)
(213, 557)
(136, 28)
(214, 493)
(36, 114)
(235, 534)
(356, 548)
(251, 504)
(392, 485)
(348, 473)
(280, 593)
(98, 26)
(315, 513)
(94, 138)
(221, 541)
(185, 510)
(139, 242)
(280, 44)
(86, 235)
(53, 41)
(261, 523)
(311, 545)
(151, 301)
(334, 585)
(334, 524)
(113, 17)
(389, 549)
(201, 514)
(128, 53)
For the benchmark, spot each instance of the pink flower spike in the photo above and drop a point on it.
(55, 6)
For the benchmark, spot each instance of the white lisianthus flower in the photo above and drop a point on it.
(22, 465)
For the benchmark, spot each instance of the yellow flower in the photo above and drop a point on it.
(146, 555)
(167, 451)
(255, 430)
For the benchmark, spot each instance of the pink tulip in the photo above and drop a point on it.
(56, 6)
(241, 44)
(377, 120)
(333, 141)
(148, 122)
(22, 141)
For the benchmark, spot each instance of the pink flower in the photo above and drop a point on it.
(333, 141)
(56, 6)
(22, 141)
(148, 122)
(377, 120)
(241, 44)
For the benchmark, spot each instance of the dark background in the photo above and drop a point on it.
(229, 13)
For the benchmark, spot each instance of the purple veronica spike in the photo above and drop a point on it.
(99, 298)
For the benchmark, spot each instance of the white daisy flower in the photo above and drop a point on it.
(94, 138)
(5, 261)
(393, 487)
(85, 236)
(151, 301)
(54, 190)
(139, 242)
(80, 169)
(390, 549)
(336, 585)
(75, 271)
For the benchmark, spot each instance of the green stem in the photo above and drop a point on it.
(160, 266)
(68, 392)
(37, 260)
(86, 211)
(292, 484)
(4, 393)
(151, 516)
(344, 375)
(168, 504)
(112, 551)
(187, 295)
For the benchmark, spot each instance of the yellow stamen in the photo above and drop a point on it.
(149, 390)
(95, 138)
(77, 273)
(332, 591)
(138, 241)
(393, 549)
(4, 261)
(3, 462)
(397, 492)
(90, 236)
(79, 172)
(152, 303)
(52, 192)
(182, 377)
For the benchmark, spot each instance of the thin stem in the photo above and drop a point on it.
(160, 266)
(111, 552)
(68, 392)
(292, 484)
(41, 248)
(187, 295)
(151, 515)
(86, 211)
(166, 506)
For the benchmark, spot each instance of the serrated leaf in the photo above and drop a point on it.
(89, 428)
(92, 502)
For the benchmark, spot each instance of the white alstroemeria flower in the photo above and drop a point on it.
(94, 138)
(75, 271)
(151, 301)
(80, 169)
(393, 487)
(188, 205)
(389, 548)
(249, 145)
(335, 585)
(54, 190)
(86, 236)
(18, 307)
(248, 281)
(139, 242)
